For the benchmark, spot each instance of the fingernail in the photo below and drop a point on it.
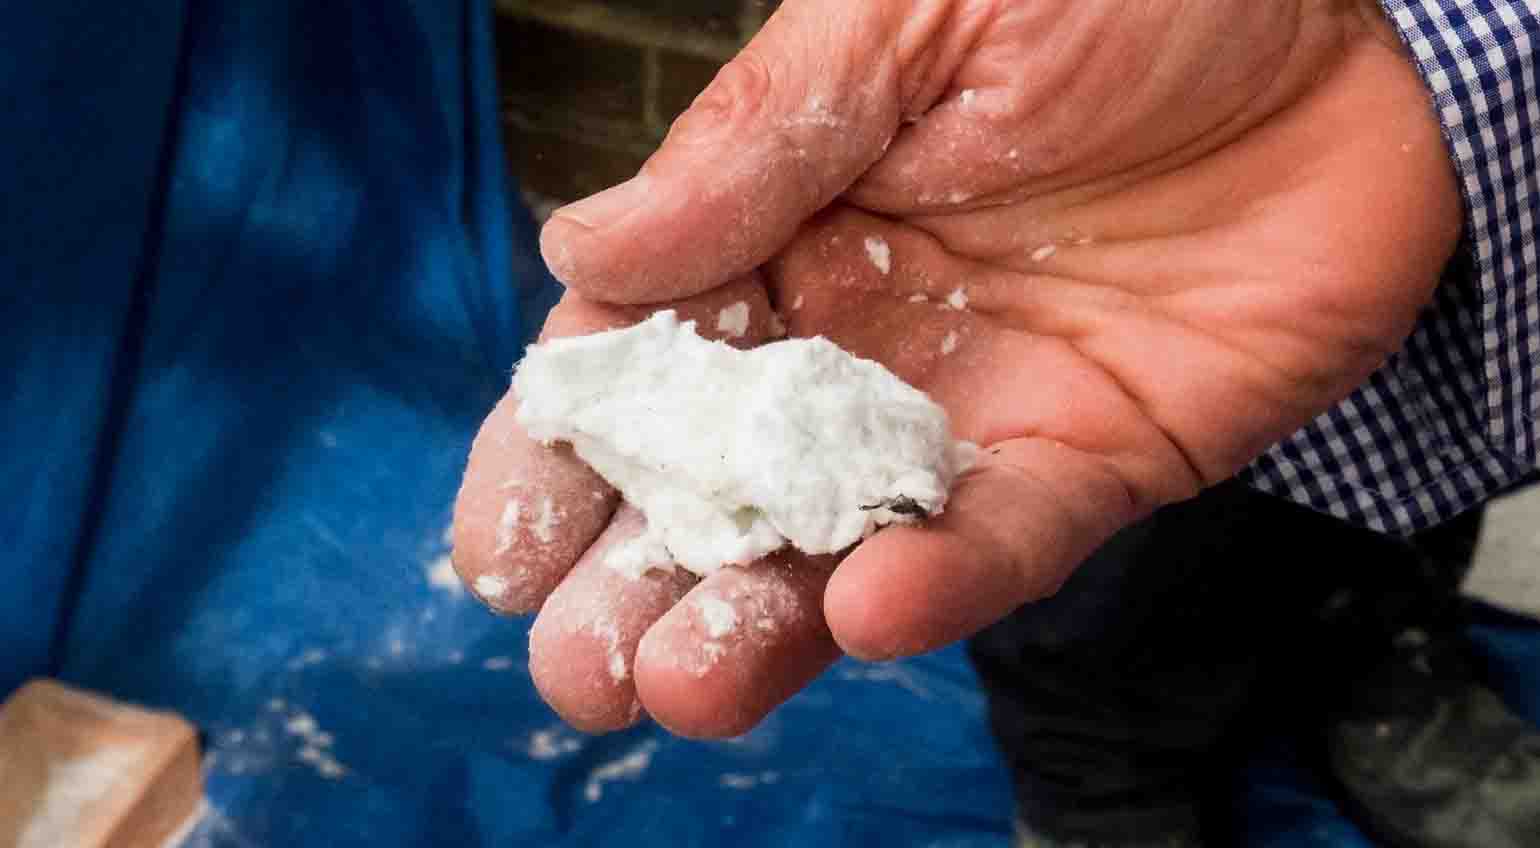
(608, 206)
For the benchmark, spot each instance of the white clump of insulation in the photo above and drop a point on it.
(732, 454)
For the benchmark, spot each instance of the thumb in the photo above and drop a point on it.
(785, 127)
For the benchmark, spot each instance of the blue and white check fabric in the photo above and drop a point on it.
(1450, 419)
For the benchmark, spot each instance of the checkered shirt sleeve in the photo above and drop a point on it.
(1450, 419)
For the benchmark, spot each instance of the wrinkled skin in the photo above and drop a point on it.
(1247, 204)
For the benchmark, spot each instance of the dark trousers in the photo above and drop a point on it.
(1118, 702)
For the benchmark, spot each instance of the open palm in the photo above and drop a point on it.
(1126, 249)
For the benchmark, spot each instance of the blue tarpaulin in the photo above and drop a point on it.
(262, 278)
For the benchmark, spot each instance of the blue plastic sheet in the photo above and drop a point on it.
(261, 282)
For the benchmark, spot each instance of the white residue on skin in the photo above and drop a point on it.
(629, 767)
(507, 525)
(711, 654)
(1044, 252)
(797, 304)
(734, 320)
(497, 663)
(547, 521)
(734, 780)
(717, 615)
(551, 743)
(880, 255)
(949, 343)
(814, 114)
(919, 297)
(777, 327)
(74, 785)
(958, 299)
(967, 97)
(491, 587)
(606, 630)
(441, 575)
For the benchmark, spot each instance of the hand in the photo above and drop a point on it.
(1182, 229)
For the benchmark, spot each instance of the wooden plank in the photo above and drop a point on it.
(80, 770)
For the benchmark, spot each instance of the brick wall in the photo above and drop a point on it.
(590, 86)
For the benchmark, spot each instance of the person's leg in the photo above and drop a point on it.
(1420, 751)
(1112, 700)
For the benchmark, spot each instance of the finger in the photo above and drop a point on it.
(968, 151)
(739, 644)
(737, 313)
(786, 126)
(527, 511)
(583, 643)
(1013, 530)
